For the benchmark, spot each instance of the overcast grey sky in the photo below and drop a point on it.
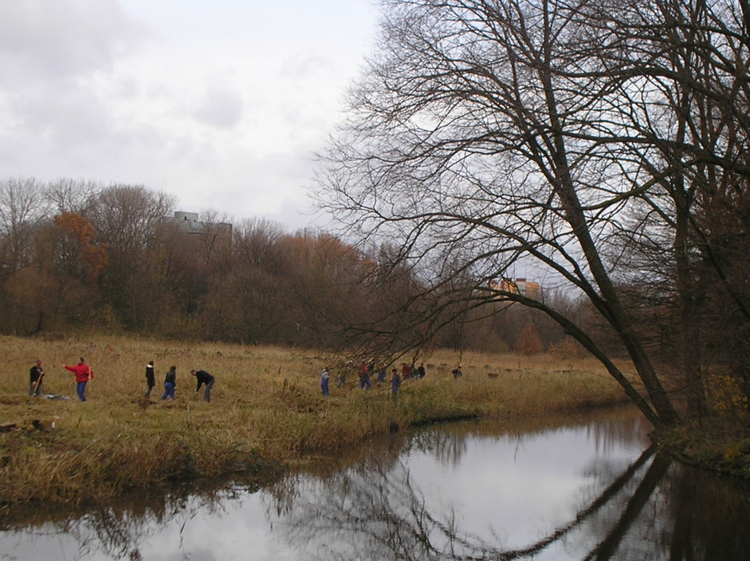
(219, 102)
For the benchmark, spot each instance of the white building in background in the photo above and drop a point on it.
(189, 223)
(521, 286)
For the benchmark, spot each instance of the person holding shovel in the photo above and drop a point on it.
(204, 377)
(36, 373)
(83, 375)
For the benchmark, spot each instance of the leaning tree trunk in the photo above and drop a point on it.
(610, 305)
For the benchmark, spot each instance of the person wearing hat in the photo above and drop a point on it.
(36, 373)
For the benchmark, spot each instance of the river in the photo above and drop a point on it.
(579, 487)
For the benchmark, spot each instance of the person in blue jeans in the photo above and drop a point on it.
(204, 377)
(170, 383)
(324, 376)
(83, 374)
(395, 383)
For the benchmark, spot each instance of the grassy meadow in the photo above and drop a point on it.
(266, 414)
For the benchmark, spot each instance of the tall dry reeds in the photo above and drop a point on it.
(267, 410)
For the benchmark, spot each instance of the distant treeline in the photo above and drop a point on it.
(79, 255)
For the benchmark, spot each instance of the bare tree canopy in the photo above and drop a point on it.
(584, 137)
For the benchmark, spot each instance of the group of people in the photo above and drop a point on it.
(366, 371)
(84, 374)
(203, 379)
(82, 371)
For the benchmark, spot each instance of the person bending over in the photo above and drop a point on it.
(204, 378)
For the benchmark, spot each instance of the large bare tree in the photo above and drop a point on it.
(682, 100)
(22, 209)
(131, 220)
(561, 136)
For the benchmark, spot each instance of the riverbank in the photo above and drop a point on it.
(713, 445)
(267, 412)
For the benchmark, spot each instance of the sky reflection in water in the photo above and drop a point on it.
(581, 489)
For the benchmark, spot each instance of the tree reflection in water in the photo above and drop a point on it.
(119, 530)
(374, 512)
(378, 506)
(653, 510)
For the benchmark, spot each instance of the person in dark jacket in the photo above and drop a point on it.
(395, 383)
(204, 377)
(36, 373)
(83, 375)
(150, 377)
(170, 383)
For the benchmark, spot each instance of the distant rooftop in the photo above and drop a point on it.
(190, 223)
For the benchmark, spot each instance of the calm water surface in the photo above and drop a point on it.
(578, 488)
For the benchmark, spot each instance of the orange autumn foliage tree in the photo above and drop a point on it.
(528, 342)
(75, 237)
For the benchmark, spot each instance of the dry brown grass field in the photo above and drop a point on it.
(267, 412)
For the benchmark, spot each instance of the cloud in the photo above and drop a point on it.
(303, 65)
(68, 117)
(219, 103)
(220, 108)
(51, 40)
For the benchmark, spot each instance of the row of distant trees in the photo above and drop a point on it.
(79, 255)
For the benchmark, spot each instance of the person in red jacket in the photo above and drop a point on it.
(83, 375)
